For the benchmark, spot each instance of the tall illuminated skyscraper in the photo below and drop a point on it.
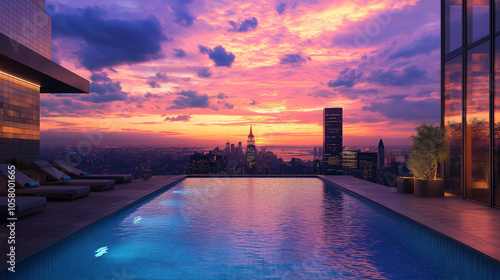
(26, 70)
(332, 141)
(251, 152)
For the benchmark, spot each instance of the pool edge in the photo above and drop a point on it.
(413, 219)
(156, 189)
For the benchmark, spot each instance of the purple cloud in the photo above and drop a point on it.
(244, 26)
(103, 89)
(179, 53)
(110, 42)
(218, 55)
(408, 76)
(179, 118)
(182, 16)
(294, 60)
(190, 99)
(401, 109)
(204, 72)
(280, 8)
(347, 78)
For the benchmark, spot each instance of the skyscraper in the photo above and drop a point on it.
(332, 141)
(367, 164)
(26, 70)
(381, 155)
(350, 159)
(391, 158)
(200, 163)
(251, 152)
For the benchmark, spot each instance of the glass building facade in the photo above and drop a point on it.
(26, 71)
(470, 69)
(20, 119)
(332, 141)
(27, 23)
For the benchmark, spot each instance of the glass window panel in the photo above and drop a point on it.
(477, 138)
(453, 124)
(453, 25)
(496, 127)
(478, 18)
(497, 16)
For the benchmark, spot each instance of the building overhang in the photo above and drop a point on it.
(23, 63)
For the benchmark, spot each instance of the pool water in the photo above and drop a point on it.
(237, 228)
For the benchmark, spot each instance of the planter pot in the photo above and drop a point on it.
(406, 184)
(146, 174)
(429, 188)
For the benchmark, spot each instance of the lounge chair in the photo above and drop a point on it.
(25, 185)
(54, 176)
(24, 205)
(76, 173)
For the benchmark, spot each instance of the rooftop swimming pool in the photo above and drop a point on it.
(239, 228)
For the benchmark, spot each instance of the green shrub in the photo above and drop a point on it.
(430, 147)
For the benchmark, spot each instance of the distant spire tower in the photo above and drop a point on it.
(381, 155)
(251, 152)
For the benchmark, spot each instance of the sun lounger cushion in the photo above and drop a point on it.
(53, 172)
(74, 190)
(67, 168)
(70, 169)
(92, 182)
(31, 185)
(21, 179)
(23, 203)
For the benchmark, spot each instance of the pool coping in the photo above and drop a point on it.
(468, 223)
(164, 183)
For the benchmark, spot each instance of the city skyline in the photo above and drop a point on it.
(278, 65)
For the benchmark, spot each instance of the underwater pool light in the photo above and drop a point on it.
(101, 251)
(137, 219)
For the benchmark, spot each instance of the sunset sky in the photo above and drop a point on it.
(193, 72)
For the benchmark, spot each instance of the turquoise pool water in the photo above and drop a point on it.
(237, 228)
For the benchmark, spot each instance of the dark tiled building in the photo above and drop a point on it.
(332, 141)
(350, 159)
(200, 163)
(367, 164)
(26, 70)
(471, 97)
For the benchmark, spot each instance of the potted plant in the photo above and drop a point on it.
(429, 149)
(405, 184)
